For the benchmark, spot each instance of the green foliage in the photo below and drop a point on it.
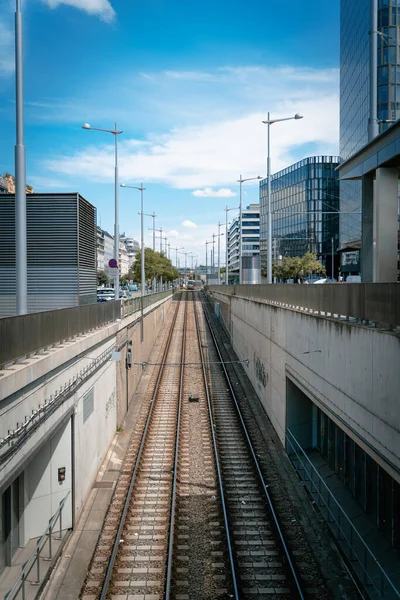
(124, 279)
(290, 266)
(102, 278)
(156, 265)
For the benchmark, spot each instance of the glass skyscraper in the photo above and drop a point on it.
(355, 24)
(305, 210)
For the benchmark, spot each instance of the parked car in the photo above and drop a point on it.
(133, 288)
(105, 294)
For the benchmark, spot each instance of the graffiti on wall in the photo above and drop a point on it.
(260, 371)
(110, 405)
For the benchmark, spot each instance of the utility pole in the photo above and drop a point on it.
(219, 245)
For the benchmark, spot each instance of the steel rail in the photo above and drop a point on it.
(176, 459)
(217, 461)
(256, 463)
(104, 589)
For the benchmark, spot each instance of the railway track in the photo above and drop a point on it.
(191, 517)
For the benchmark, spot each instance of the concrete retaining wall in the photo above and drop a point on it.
(78, 433)
(351, 372)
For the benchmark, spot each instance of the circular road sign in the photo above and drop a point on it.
(112, 263)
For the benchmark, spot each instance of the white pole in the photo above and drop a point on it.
(240, 229)
(269, 248)
(116, 226)
(143, 276)
(226, 248)
(21, 262)
(219, 245)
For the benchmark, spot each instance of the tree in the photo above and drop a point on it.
(290, 266)
(102, 278)
(156, 265)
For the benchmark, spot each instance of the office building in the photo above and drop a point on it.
(132, 248)
(355, 27)
(61, 252)
(305, 205)
(250, 238)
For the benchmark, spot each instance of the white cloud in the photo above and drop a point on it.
(102, 8)
(210, 193)
(228, 138)
(189, 224)
(173, 234)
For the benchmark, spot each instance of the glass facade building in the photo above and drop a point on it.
(305, 210)
(355, 24)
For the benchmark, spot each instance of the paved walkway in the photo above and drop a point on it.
(69, 574)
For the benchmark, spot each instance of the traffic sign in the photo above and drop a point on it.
(112, 263)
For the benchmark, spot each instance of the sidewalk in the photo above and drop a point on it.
(70, 572)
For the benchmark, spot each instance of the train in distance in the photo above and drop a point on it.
(194, 284)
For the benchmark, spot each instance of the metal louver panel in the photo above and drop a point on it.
(57, 244)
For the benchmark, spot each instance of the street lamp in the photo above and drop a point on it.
(115, 133)
(176, 255)
(161, 238)
(207, 259)
(270, 122)
(226, 241)
(240, 182)
(218, 235)
(142, 275)
(153, 229)
(21, 261)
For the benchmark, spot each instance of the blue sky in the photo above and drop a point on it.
(187, 82)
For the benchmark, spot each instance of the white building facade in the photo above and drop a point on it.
(249, 236)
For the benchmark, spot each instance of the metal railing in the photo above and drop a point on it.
(132, 305)
(34, 559)
(365, 564)
(370, 302)
(27, 334)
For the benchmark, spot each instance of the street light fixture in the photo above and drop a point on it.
(116, 133)
(142, 275)
(270, 122)
(240, 182)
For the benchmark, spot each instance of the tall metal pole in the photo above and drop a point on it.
(21, 262)
(333, 262)
(226, 249)
(213, 255)
(240, 229)
(269, 247)
(219, 245)
(154, 231)
(116, 225)
(161, 238)
(143, 275)
(373, 126)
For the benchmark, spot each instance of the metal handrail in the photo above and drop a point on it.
(35, 556)
(368, 579)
